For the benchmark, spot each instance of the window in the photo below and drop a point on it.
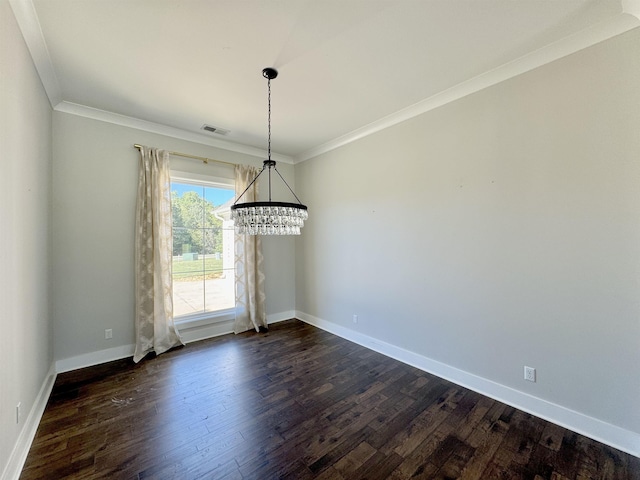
(203, 260)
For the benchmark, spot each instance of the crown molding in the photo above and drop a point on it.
(29, 24)
(131, 122)
(627, 20)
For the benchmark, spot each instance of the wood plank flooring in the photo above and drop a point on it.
(295, 403)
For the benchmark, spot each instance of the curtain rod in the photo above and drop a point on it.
(195, 157)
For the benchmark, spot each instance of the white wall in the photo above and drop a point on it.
(26, 354)
(498, 231)
(95, 178)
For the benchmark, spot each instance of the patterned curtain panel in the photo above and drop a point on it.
(155, 329)
(250, 310)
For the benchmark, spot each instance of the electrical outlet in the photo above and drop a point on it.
(355, 319)
(108, 333)
(18, 412)
(529, 374)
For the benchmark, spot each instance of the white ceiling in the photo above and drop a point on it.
(346, 67)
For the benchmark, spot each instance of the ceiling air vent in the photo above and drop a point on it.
(216, 130)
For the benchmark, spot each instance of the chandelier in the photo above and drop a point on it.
(268, 218)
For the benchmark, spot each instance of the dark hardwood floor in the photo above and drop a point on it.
(295, 403)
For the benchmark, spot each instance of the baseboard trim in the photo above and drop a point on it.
(189, 335)
(281, 317)
(21, 449)
(612, 435)
(19, 455)
(197, 334)
(94, 358)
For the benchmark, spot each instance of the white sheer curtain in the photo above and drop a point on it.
(250, 309)
(155, 330)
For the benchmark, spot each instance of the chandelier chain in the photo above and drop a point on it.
(269, 118)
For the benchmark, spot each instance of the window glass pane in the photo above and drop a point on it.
(188, 292)
(219, 196)
(213, 245)
(202, 248)
(187, 207)
(220, 291)
(181, 241)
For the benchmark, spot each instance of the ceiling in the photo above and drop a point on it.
(346, 67)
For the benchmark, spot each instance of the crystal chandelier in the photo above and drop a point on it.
(269, 218)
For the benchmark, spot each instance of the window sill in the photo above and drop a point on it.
(204, 319)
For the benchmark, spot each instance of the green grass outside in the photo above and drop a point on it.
(189, 270)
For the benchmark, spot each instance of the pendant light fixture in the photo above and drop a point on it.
(269, 218)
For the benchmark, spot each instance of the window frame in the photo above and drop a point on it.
(203, 318)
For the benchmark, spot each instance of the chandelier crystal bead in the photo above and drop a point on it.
(269, 218)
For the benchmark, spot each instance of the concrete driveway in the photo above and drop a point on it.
(198, 296)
